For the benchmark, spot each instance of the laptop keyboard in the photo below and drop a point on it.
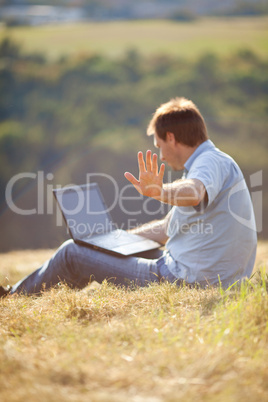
(112, 239)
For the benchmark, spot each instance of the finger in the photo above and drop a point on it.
(141, 162)
(149, 161)
(155, 166)
(161, 171)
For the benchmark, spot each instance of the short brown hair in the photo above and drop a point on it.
(181, 117)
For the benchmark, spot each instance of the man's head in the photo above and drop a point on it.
(181, 117)
(178, 128)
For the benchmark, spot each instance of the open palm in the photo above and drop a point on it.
(150, 181)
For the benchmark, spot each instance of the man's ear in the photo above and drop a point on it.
(170, 137)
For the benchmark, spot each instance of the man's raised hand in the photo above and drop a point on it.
(150, 181)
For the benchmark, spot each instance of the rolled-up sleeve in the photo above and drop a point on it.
(211, 173)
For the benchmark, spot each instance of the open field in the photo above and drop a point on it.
(217, 35)
(155, 344)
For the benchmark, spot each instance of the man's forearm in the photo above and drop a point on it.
(183, 193)
(155, 230)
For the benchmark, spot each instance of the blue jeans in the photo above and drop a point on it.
(78, 265)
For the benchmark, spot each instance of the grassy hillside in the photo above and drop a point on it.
(155, 344)
(218, 35)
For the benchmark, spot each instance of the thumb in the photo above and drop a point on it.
(132, 179)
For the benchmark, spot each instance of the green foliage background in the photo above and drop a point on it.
(88, 113)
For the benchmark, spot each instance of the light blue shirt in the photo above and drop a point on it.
(217, 240)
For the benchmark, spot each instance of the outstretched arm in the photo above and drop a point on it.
(155, 230)
(180, 193)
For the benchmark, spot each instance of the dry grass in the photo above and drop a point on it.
(155, 344)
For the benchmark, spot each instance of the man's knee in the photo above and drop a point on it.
(67, 251)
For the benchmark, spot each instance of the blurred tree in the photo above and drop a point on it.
(89, 114)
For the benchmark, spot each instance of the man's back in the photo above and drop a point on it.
(218, 240)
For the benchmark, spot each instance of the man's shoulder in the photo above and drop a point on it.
(214, 157)
(216, 170)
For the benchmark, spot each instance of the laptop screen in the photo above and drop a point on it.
(84, 210)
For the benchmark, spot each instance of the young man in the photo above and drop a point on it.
(206, 235)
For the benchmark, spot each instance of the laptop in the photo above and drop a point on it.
(89, 222)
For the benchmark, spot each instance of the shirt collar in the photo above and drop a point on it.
(205, 146)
